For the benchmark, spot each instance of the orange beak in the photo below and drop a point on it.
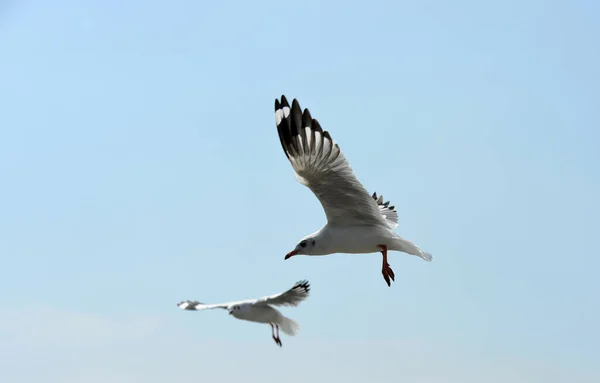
(291, 254)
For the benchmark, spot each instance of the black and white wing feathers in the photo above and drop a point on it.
(388, 212)
(320, 165)
(291, 297)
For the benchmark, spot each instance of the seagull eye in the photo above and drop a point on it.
(303, 243)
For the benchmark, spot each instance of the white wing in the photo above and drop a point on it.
(321, 166)
(291, 297)
(195, 305)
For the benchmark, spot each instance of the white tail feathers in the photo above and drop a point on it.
(410, 248)
(288, 326)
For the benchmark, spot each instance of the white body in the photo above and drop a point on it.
(267, 315)
(332, 239)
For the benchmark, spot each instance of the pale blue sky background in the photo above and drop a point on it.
(140, 165)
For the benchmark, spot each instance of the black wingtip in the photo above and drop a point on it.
(296, 115)
(303, 284)
(316, 126)
(296, 119)
(191, 305)
(283, 126)
(306, 119)
(385, 204)
(293, 135)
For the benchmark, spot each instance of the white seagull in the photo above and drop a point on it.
(357, 222)
(261, 310)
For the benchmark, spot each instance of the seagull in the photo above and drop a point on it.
(261, 310)
(357, 222)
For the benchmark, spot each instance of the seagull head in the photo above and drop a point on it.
(306, 246)
(233, 309)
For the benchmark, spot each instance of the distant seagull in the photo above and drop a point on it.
(357, 222)
(260, 310)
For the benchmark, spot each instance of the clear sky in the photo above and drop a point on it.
(140, 166)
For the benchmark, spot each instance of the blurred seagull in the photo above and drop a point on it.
(261, 310)
(357, 222)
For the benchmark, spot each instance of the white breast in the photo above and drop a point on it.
(356, 239)
(257, 313)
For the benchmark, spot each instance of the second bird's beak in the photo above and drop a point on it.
(291, 254)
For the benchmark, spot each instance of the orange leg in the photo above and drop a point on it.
(386, 270)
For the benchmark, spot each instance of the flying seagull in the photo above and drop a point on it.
(261, 310)
(357, 222)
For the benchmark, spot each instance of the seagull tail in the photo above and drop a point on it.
(410, 248)
(288, 326)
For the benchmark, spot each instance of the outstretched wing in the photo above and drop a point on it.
(197, 306)
(291, 297)
(320, 165)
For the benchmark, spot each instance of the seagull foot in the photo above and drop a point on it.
(387, 274)
(386, 270)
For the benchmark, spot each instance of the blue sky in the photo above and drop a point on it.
(140, 166)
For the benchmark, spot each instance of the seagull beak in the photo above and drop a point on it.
(291, 254)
